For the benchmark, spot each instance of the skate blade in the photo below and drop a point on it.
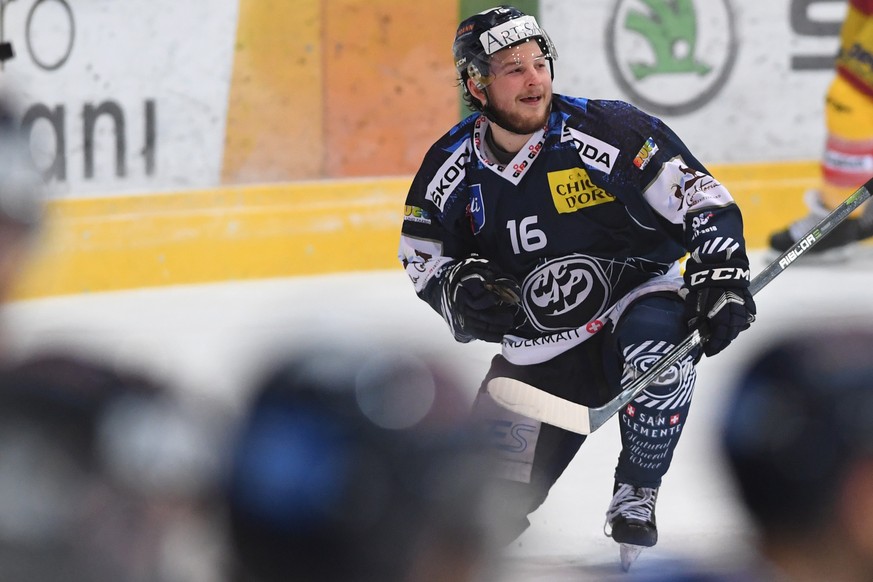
(629, 553)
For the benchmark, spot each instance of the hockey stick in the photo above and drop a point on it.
(532, 402)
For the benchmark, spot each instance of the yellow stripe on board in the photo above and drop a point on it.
(302, 228)
(770, 195)
(227, 234)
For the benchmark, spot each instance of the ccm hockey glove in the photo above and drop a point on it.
(479, 301)
(719, 303)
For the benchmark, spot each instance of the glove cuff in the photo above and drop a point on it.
(730, 274)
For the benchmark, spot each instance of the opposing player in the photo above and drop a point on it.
(554, 225)
(848, 154)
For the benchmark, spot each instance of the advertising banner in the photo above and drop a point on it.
(122, 96)
(146, 96)
(740, 81)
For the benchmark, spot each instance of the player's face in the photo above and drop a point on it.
(519, 96)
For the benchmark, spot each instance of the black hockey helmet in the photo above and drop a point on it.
(483, 34)
(798, 418)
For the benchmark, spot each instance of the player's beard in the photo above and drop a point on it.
(514, 122)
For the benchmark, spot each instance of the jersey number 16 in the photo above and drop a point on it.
(524, 237)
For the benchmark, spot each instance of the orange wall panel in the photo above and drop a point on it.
(275, 126)
(390, 87)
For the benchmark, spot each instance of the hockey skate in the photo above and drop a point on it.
(630, 521)
(835, 246)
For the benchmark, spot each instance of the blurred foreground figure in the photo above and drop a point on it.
(799, 441)
(797, 438)
(104, 475)
(358, 468)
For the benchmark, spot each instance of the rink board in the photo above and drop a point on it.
(279, 230)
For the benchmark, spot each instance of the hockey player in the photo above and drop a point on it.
(554, 225)
(848, 157)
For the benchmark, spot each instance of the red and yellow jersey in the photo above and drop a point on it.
(855, 58)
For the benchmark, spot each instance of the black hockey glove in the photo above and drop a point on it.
(483, 303)
(719, 303)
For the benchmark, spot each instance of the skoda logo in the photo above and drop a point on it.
(671, 56)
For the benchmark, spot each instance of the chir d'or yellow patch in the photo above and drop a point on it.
(572, 190)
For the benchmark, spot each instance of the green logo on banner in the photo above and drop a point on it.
(670, 28)
(671, 56)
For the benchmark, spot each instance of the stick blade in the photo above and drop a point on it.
(532, 402)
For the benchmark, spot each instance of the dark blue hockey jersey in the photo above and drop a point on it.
(596, 209)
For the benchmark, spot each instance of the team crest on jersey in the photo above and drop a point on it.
(572, 190)
(476, 209)
(594, 152)
(565, 293)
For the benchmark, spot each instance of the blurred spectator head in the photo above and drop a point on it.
(798, 438)
(359, 467)
(102, 475)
